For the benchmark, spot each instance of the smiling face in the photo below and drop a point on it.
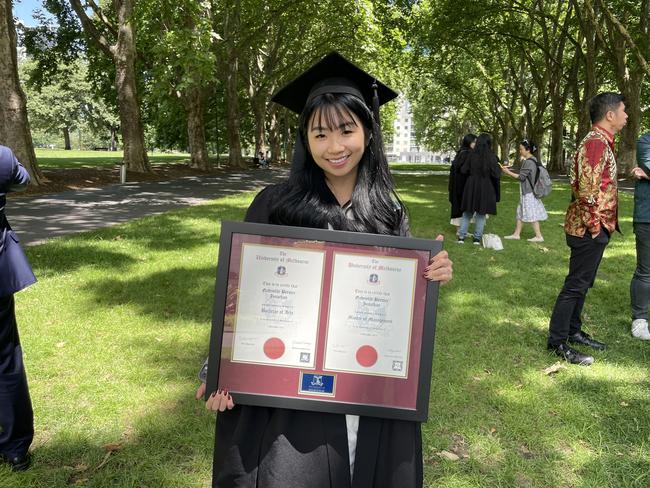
(336, 142)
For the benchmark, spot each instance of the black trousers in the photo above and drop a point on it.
(640, 285)
(586, 254)
(16, 416)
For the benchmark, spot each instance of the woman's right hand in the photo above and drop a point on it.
(220, 400)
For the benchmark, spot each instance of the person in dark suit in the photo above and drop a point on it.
(16, 417)
(339, 180)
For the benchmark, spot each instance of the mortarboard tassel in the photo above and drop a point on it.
(375, 102)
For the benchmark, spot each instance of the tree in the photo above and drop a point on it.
(14, 125)
(112, 30)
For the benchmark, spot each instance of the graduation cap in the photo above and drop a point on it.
(334, 74)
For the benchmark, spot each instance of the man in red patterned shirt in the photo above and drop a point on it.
(590, 220)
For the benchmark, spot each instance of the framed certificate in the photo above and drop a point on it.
(323, 320)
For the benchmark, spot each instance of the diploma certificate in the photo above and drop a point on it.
(370, 315)
(323, 320)
(278, 306)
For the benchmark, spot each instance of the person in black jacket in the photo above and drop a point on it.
(481, 192)
(457, 179)
(339, 180)
(16, 417)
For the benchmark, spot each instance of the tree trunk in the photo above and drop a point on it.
(556, 156)
(259, 112)
(232, 116)
(626, 158)
(14, 125)
(194, 106)
(135, 155)
(113, 143)
(66, 139)
(274, 136)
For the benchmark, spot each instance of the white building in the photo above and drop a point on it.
(403, 147)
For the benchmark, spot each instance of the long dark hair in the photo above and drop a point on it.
(467, 141)
(306, 200)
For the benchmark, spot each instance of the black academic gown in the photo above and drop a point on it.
(16, 417)
(482, 188)
(280, 448)
(457, 182)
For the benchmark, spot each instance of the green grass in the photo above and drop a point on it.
(419, 167)
(60, 159)
(118, 325)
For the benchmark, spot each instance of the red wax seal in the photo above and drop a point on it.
(274, 348)
(366, 356)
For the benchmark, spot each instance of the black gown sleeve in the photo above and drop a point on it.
(259, 211)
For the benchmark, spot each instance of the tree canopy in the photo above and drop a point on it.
(199, 75)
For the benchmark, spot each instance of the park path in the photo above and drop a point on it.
(36, 219)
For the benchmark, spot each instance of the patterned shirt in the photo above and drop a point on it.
(594, 189)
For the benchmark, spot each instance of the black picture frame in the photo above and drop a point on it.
(230, 228)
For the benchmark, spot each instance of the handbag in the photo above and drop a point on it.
(492, 241)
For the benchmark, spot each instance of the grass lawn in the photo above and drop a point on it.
(60, 159)
(118, 324)
(420, 167)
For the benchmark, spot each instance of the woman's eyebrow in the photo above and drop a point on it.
(341, 126)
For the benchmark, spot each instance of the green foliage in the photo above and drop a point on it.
(66, 102)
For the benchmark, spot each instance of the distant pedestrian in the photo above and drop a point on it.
(640, 285)
(530, 208)
(481, 192)
(457, 179)
(590, 220)
(16, 416)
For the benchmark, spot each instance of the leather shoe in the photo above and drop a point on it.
(586, 340)
(18, 463)
(572, 356)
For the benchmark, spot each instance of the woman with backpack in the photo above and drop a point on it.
(530, 208)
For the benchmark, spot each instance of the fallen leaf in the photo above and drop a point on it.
(60, 344)
(114, 446)
(525, 452)
(624, 404)
(493, 430)
(450, 456)
(554, 368)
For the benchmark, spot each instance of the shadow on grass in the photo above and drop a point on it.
(169, 295)
(171, 447)
(68, 256)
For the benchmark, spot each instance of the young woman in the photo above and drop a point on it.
(457, 179)
(339, 180)
(530, 209)
(481, 192)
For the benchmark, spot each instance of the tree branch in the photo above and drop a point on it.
(90, 29)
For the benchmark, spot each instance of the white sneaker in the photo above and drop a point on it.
(640, 329)
(535, 239)
(512, 237)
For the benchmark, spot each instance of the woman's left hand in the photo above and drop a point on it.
(440, 267)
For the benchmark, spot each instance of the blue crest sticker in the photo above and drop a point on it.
(317, 384)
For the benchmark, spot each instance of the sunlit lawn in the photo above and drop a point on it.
(118, 324)
(60, 159)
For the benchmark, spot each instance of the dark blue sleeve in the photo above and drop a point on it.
(13, 175)
(643, 153)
